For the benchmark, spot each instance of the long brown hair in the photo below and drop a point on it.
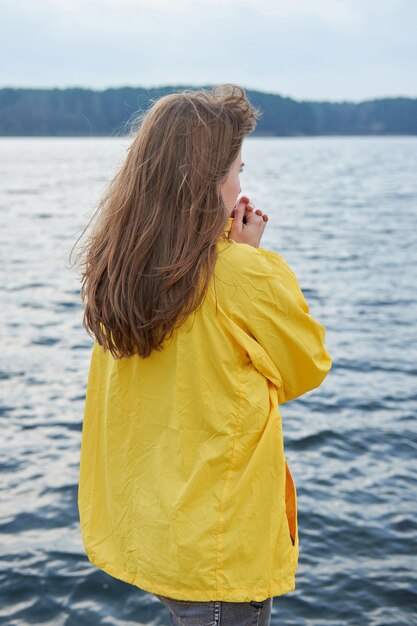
(149, 259)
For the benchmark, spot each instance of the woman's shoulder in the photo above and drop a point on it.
(245, 257)
(257, 270)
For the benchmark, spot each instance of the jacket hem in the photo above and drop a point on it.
(273, 588)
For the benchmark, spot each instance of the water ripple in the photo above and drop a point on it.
(343, 213)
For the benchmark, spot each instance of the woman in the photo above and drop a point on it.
(200, 334)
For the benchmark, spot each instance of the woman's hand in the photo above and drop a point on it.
(248, 224)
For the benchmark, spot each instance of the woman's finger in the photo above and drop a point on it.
(238, 214)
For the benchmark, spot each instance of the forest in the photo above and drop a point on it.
(112, 112)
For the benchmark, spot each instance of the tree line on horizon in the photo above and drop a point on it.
(79, 112)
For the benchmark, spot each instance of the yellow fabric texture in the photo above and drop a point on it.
(184, 488)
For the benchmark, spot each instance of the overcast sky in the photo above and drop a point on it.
(305, 49)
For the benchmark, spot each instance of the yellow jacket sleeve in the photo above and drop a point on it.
(291, 336)
(278, 318)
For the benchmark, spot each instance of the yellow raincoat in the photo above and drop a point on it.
(184, 489)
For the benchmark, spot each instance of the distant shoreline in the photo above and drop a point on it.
(248, 138)
(80, 112)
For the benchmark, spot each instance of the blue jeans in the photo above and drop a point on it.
(194, 613)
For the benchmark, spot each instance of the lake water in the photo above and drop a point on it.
(343, 212)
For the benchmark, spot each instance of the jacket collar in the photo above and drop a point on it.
(228, 227)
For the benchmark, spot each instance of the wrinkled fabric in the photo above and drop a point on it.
(184, 488)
